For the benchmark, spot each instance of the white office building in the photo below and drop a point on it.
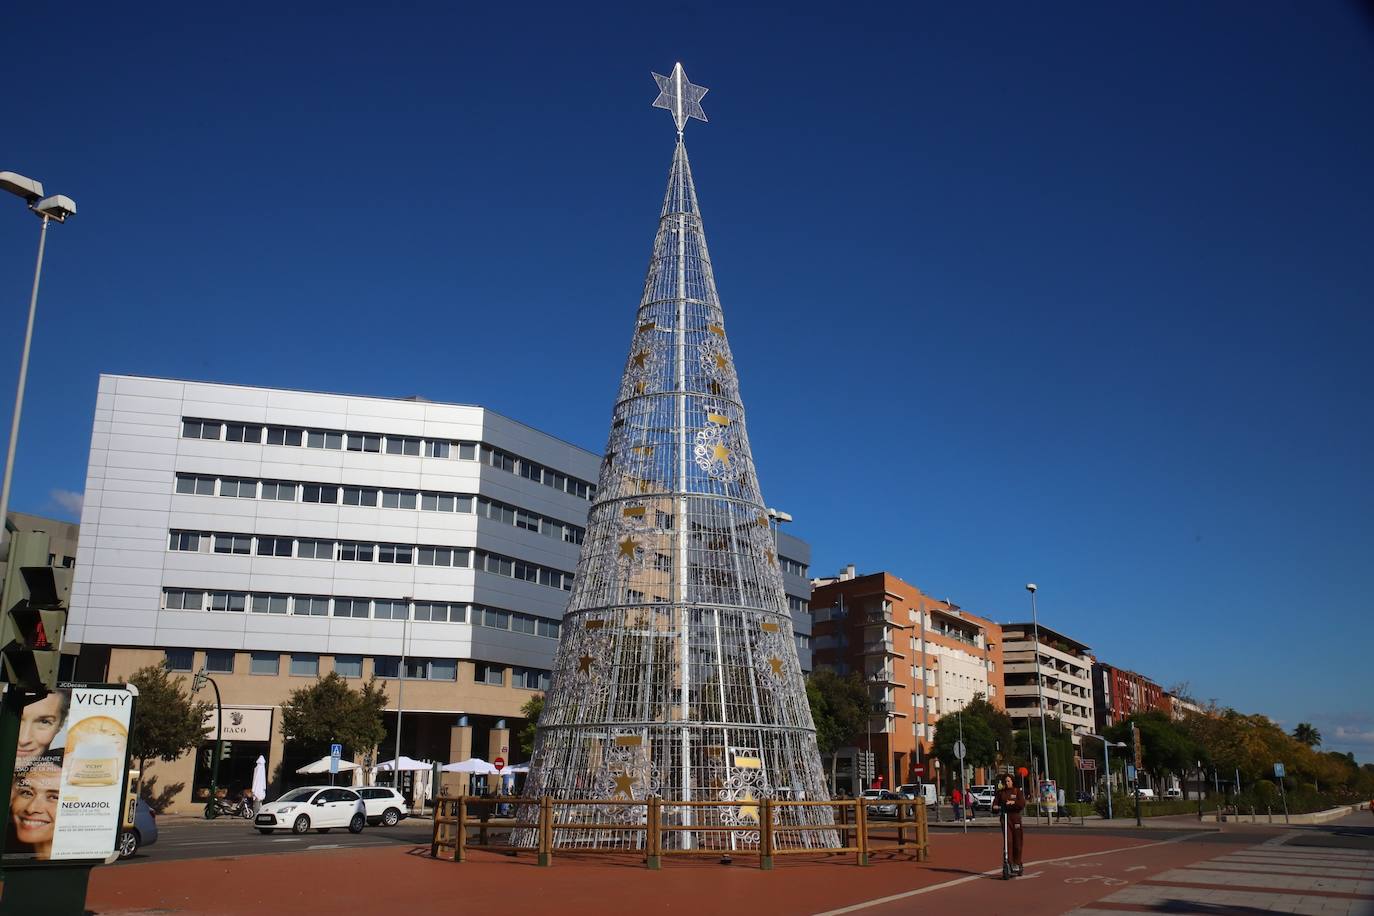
(272, 536)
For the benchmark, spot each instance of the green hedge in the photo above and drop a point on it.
(1124, 806)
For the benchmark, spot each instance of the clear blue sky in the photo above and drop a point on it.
(1077, 294)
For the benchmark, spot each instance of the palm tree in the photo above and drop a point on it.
(1306, 734)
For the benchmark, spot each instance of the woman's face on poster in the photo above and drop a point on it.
(39, 724)
(33, 804)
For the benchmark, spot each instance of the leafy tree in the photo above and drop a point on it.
(997, 720)
(1059, 745)
(980, 743)
(329, 710)
(1307, 734)
(840, 707)
(168, 722)
(532, 710)
(1165, 748)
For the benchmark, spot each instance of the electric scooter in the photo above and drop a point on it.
(1007, 873)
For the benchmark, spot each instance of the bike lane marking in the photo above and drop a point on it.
(994, 872)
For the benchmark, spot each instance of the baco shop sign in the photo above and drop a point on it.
(241, 723)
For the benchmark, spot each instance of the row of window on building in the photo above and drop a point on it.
(192, 599)
(307, 664)
(232, 543)
(380, 443)
(378, 497)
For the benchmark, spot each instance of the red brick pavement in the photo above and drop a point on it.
(406, 880)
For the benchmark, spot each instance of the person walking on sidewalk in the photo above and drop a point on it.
(956, 799)
(1011, 801)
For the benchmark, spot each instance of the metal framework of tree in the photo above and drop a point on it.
(677, 673)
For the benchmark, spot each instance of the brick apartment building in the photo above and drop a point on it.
(920, 657)
(1119, 694)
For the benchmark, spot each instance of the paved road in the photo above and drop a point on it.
(1325, 870)
(192, 839)
(1242, 869)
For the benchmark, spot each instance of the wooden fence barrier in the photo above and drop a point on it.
(456, 820)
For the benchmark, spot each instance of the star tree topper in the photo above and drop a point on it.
(680, 97)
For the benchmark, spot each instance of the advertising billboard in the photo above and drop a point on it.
(67, 796)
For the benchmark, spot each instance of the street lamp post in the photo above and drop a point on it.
(199, 681)
(1039, 693)
(57, 207)
(400, 693)
(1135, 743)
(963, 784)
(1107, 764)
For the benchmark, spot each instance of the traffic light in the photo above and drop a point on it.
(34, 604)
(865, 767)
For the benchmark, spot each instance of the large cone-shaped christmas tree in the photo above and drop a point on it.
(677, 673)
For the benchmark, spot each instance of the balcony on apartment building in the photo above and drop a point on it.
(884, 674)
(884, 646)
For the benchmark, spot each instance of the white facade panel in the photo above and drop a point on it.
(125, 564)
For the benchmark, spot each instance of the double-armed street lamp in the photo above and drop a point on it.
(201, 678)
(1107, 765)
(56, 207)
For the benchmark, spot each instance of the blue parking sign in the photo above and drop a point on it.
(335, 752)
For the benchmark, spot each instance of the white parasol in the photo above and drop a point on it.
(322, 766)
(260, 779)
(475, 765)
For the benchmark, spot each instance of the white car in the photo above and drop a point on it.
(313, 808)
(384, 805)
(983, 796)
(1145, 794)
(922, 790)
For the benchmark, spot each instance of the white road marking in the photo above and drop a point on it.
(996, 872)
(200, 843)
(1137, 868)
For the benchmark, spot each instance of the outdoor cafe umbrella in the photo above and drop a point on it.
(407, 764)
(323, 766)
(474, 765)
(260, 780)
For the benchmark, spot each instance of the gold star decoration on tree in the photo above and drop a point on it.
(776, 664)
(584, 664)
(628, 546)
(721, 361)
(640, 357)
(624, 785)
(721, 453)
(749, 811)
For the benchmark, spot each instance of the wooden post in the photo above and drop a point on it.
(922, 834)
(653, 834)
(434, 841)
(766, 835)
(461, 841)
(546, 831)
(901, 819)
(861, 830)
(842, 813)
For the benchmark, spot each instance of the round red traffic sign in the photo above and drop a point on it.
(499, 763)
(918, 769)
